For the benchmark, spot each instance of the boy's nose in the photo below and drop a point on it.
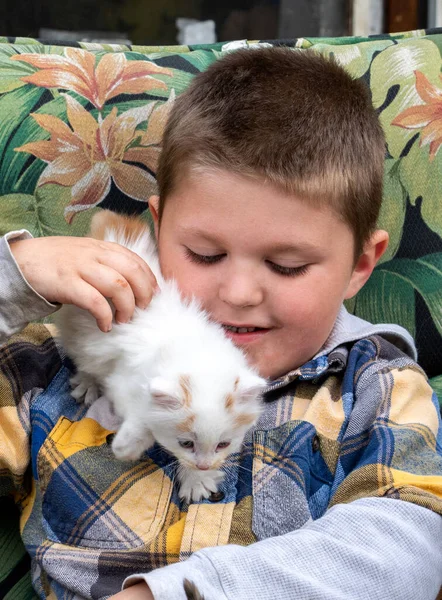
(241, 291)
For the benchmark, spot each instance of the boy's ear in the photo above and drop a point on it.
(153, 207)
(373, 250)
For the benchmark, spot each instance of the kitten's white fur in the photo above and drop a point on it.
(171, 375)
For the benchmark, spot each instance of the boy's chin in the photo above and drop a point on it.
(272, 367)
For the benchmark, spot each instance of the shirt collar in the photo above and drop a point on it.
(332, 357)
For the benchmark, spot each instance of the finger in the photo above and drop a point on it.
(112, 285)
(136, 272)
(87, 297)
(116, 248)
(143, 283)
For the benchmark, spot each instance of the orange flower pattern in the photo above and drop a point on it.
(77, 71)
(427, 117)
(89, 154)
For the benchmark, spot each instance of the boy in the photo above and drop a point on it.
(270, 185)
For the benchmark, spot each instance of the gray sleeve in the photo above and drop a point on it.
(19, 302)
(370, 549)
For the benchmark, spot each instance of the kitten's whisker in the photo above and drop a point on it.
(233, 466)
(241, 480)
(245, 469)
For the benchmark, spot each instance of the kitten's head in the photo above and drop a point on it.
(201, 420)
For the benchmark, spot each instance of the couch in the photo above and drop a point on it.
(80, 130)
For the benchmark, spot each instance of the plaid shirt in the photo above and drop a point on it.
(359, 421)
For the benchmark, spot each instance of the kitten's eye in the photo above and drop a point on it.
(223, 445)
(186, 444)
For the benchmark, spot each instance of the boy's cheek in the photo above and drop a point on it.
(306, 304)
(193, 285)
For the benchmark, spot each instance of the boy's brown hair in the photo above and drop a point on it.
(294, 118)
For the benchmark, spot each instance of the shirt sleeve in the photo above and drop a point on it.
(28, 362)
(370, 549)
(19, 302)
(380, 537)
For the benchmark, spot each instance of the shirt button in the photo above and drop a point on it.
(216, 496)
(316, 444)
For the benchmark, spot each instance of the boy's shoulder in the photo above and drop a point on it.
(367, 354)
(392, 340)
(362, 371)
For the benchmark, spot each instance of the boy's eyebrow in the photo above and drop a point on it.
(302, 246)
(197, 232)
(282, 247)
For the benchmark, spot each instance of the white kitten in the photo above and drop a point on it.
(171, 374)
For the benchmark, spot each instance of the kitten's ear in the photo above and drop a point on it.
(164, 394)
(250, 386)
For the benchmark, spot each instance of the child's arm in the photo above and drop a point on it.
(371, 549)
(36, 274)
(19, 303)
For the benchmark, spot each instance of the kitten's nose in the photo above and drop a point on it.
(203, 466)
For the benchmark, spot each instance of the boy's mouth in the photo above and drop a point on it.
(244, 334)
(234, 329)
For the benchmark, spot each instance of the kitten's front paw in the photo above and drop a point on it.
(84, 388)
(131, 448)
(196, 484)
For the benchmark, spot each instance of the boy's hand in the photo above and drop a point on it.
(84, 272)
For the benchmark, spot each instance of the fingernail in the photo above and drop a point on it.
(109, 327)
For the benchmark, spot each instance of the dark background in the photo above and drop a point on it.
(152, 22)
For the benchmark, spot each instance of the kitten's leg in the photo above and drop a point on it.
(84, 388)
(196, 484)
(131, 440)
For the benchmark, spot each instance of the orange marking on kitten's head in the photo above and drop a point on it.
(230, 401)
(186, 425)
(131, 227)
(235, 385)
(186, 389)
(244, 419)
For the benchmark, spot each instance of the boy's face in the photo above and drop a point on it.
(256, 257)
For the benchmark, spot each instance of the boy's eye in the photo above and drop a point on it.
(223, 445)
(186, 444)
(287, 271)
(203, 259)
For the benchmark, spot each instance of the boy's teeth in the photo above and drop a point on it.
(239, 329)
